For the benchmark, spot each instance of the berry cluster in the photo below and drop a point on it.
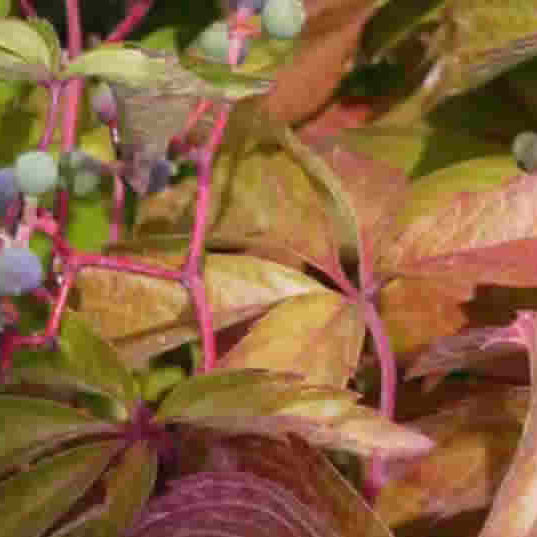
(280, 19)
(36, 179)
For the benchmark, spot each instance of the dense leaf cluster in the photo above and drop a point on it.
(267, 307)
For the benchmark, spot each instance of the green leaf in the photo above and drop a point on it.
(23, 40)
(31, 501)
(146, 316)
(13, 68)
(85, 361)
(30, 424)
(5, 8)
(138, 468)
(419, 150)
(319, 336)
(226, 83)
(160, 380)
(114, 63)
(48, 33)
(275, 404)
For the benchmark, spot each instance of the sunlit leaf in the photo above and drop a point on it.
(318, 336)
(113, 63)
(261, 199)
(238, 288)
(31, 501)
(488, 231)
(275, 404)
(21, 39)
(48, 33)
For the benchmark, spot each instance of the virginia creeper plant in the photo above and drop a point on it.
(203, 260)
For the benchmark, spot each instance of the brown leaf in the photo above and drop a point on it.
(373, 191)
(317, 336)
(260, 199)
(328, 45)
(129, 308)
(462, 350)
(475, 440)
(514, 511)
(470, 220)
(417, 311)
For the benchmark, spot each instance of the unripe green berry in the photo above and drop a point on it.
(524, 149)
(283, 19)
(36, 172)
(214, 43)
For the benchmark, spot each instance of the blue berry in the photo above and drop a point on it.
(20, 271)
(283, 19)
(161, 171)
(8, 188)
(255, 5)
(36, 172)
(524, 149)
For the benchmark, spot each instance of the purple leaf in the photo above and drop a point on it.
(228, 503)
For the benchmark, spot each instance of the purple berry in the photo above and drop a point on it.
(161, 171)
(104, 104)
(8, 188)
(20, 271)
(255, 5)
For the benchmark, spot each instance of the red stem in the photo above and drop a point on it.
(55, 90)
(135, 15)
(73, 96)
(192, 277)
(27, 8)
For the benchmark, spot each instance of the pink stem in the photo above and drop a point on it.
(136, 13)
(205, 163)
(116, 224)
(53, 324)
(239, 31)
(27, 8)
(73, 96)
(52, 115)
(388, 365)
(192, 276)
(205, 321)
(123, 264)
(178, 142)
